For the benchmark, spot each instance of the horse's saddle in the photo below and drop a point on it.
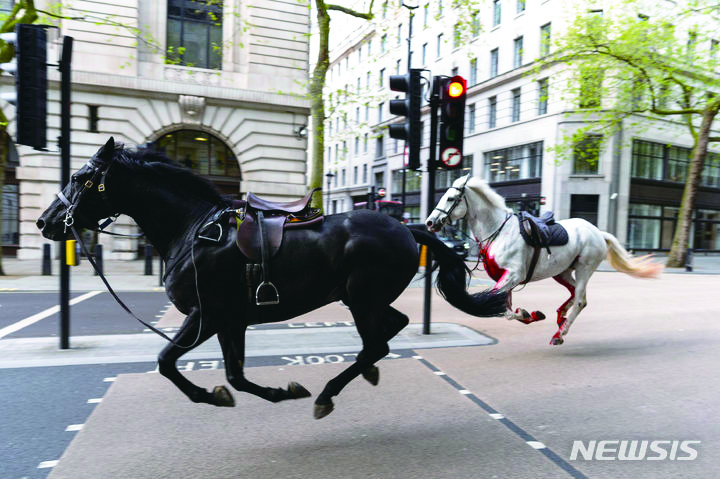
(260, 225)
(542, 231)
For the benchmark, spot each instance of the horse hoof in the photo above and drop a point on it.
(322, 410)
(556, 341)
(297, 391)
(223, 397)
(537, 316)
(372, 375)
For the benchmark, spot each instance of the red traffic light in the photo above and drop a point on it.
(455, 87)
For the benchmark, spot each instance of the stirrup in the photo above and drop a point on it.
(207, 236)
(267, 284)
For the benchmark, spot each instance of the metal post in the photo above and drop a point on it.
(148, 260)
(64, 144)
(46, 261)
(409, 63)
(434, 102)
(161, 272)
(99, 259)
(689, 260)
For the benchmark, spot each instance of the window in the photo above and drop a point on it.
(454, 71)
(520, 6)
(357, 145)
(359, 55)
(492, 112)
(439, 45)
(586, 155)
(379, 147)
(194, 34)
(590, 88)
(516, 163)
(384, 9)
(585, 207)
(381, 77)
(397, 67)
(381, 107)
(475, 24)
(365, 174)
(518, 52)
(369, 48)
(343, 177)
(542, 96)
(357, 115)
(355, 175)
(93, 118)
(494, 55)
(424, 54)
(497, 13)
(383, 43)
(426, 14)
(365, 143)
(203, 153)
(471, 118)
(516, 105)
(367, 80)
(367, 112)
(440, 8)
(545, 33)
(399, 34)
(473, 71)
(457, 35)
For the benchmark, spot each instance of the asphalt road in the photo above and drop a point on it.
(639, 364)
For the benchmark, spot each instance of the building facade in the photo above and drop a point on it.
(515, 118)
(218, 86)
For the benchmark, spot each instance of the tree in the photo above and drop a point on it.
(624, 67)
(317, 86)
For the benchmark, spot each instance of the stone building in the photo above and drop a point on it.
(218, 86)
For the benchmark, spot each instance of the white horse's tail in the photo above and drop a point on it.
(621, 260)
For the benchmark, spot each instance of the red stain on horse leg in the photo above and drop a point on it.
(491, 267)
(563, 309)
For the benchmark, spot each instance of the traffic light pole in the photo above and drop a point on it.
(432, 163)
(64, 144)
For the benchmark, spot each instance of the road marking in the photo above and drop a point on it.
(23, 323)
(74, 427)
(514, 428)
(109, 380)
(94, 401)
(464, 392)
(46, 464)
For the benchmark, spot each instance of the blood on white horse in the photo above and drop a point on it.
(507, 257)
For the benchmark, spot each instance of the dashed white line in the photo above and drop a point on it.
(497, 416)
(465, 392)
(74, 427)
(417, 357)
(109, 380)
(46, 464)
(440, 373)
(94, 401)
(536, 444)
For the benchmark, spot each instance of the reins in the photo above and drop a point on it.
(69, 222)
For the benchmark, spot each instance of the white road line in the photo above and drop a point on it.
(536, 444)
(23, 323)
(417, 357)
(109, 380)
(440, 373)
(46, 464)
(94, 401)
(74, 427)
(464, 392)
(497, 416)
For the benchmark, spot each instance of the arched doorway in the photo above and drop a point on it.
(206, 155)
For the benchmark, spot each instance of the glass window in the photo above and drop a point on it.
(677, 163)
(518, 52)
(586, 155)
(543, 96)
(545, 33)
(520, 6)
(194, 33)
(492, 112)
(10, 208)
(647, 160)
(471, 118)
(494, 56)
(590, 88)
(516, 163)
(205, 154)
(473, 71)
(516, 105)
(497, 13)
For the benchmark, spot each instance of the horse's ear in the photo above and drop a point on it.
(106, 151)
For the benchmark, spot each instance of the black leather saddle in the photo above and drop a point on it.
(542, 231)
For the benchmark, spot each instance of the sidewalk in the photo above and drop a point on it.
(27, 275)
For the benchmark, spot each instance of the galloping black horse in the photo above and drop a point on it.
(362, 258)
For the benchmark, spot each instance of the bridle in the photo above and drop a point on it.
(456, 202)
(70, 212)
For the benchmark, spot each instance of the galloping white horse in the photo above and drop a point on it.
(508, 258)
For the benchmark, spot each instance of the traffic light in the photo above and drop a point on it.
(452, 121)
(411, 129)
(30, 70)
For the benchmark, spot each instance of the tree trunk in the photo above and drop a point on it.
(681, 240)
(317, 107)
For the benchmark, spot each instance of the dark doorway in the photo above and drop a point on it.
(585, 207)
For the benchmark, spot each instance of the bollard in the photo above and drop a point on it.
(99, 259)
(46, 261)
(689, 260)
(148, 260)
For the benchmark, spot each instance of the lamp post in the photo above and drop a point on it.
(329, 177)
(411, 11)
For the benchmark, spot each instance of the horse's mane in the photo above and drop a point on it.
(482, 188)
(146, 159)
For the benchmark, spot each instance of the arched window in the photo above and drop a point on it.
(205, 154)
(194, 33)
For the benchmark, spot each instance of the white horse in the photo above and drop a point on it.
(508, 259)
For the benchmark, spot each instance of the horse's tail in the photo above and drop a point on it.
(621, 260)
(452, 279)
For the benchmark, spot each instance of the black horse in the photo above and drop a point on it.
(362, 258)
